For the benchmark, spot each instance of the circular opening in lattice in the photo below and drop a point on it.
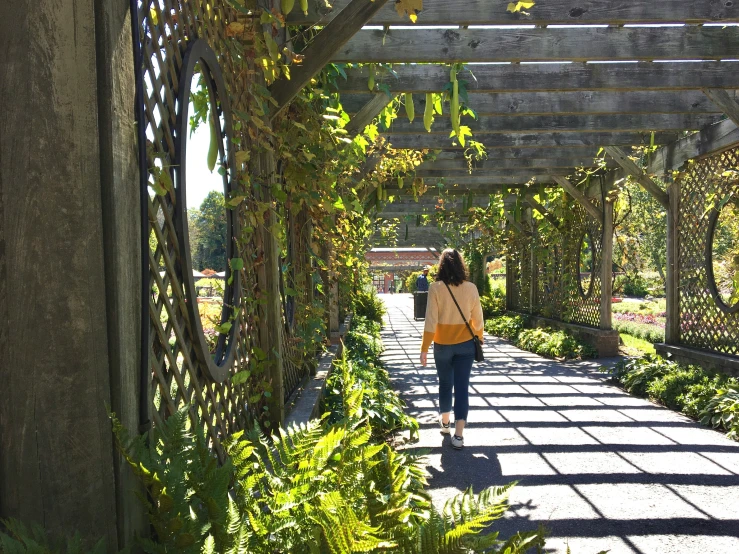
(722, 253)
(585, 266)
(206, 227)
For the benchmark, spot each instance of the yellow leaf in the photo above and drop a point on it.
(409, 7)
(234, 29)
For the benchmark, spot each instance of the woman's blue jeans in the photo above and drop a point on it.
(453, 365)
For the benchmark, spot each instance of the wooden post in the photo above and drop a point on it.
(57, 463)
(533, 267)
(672, 325)
(606, 270)
(121, 216)
(268, 279)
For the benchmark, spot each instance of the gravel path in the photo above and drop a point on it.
(601, 469)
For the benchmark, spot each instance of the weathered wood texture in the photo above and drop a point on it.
(672, 293)
(562, 123)
(492, 175)
(555, 77)
(539, 44)
(333, 37)
(457, 166)
(568, 103)
(628, 165)
(725, 101)
(367, 113)
(573, 191)
(567, 12)
(523, 140)
(56, 447)
(585, 152)
(606, 268)
(121, 215)
(713, 139)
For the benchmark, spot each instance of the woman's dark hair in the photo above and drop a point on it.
(451, 268)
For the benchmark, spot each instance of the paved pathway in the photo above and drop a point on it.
(601, 469)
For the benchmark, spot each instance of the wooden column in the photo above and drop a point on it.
(121, 216)
(57, 463)
(268, 279)
(606, 270)
(533, 267)
(672, 325)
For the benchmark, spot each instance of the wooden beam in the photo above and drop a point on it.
(708, 141)
(539, 44)
(535, 204)
(725, 101)
(485, 12)
(319, 52)
(606, 268)
(460, 166)
(636, 172)
(368, 113)
(519, 154)
(562, 123)
(672, 284)
(573, 191)
(569, 103)
(504, 178)
(491, 175)
(535, 140)
(554, 77)
(515, 223)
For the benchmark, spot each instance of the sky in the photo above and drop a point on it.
(200, 181)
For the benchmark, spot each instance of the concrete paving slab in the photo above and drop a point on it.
(601, 469)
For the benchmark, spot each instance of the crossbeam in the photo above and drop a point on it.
(554, 77)
(562, 123)
(534, 140)
(726, 102)
(318, 53)
(539, 44)
(636, 172)
(573, 191)
(548, 12)
(492, 174)
(569, 103)
(511, 163)
(367, 113)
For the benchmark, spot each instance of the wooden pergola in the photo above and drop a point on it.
(551, 88)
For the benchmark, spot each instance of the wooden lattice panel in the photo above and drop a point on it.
(702, 323)
(177, 378)
(557, 269)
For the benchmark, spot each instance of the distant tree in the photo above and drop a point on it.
(208, 233)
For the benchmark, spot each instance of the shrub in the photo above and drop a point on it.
(723, 411)
(695, 397)
(651, 333)
(492, 306)
(635, 374)
(635, 285)
(367, 304)
(669, 389)
(553, 344)
(505, 326)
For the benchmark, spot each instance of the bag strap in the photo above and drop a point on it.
(460, 312)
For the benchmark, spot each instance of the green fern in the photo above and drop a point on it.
(18, 538)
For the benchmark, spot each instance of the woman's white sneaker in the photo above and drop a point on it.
(457, 442)
(445, 428)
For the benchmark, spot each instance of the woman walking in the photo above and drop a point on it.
(454, 347)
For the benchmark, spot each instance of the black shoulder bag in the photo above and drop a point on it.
(479, 356)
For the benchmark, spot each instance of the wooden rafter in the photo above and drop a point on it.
(573, 191)
(368, 113)
(725, 101)
(493, 174)
(531, 140)
(461, 166)
(635, 171)
(555, 77)
(319, 52)
(486, 12)
(569, 103)
(539, 44)
(563, 123)
(715, 138)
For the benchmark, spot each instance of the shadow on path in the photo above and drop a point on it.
(601, 469)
